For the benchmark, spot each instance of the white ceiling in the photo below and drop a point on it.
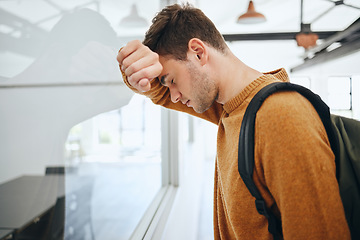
(282, 16)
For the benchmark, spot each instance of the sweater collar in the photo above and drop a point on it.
(277, 75)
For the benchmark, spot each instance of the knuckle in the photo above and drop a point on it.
(146, 72)
(130, 69)
(154, 56)
(159, 66)
(132, 80)
(126, 62)
(137, 42)
(134, 44)
(120, 57)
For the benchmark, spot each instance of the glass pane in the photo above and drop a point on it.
(339, 89)
(119, 153)
(58, 68)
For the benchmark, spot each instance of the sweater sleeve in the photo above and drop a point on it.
(160, 95)
(295, 169)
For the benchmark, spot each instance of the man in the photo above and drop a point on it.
(185, 64)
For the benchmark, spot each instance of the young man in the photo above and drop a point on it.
(185, 64)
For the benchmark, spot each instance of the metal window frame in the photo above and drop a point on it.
(152, 224)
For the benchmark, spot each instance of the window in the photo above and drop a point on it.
(57, 72)
(120, 152)
(340, 93)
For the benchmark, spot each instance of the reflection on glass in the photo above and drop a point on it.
(120, 152)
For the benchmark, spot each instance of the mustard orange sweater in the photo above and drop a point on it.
(294, 166)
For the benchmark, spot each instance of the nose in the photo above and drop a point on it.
(174, 94)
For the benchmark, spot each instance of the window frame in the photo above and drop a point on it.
(152, 224)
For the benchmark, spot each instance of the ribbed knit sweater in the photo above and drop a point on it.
(294, 166)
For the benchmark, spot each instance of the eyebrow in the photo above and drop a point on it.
(163, 80)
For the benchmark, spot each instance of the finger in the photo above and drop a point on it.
(139, 53)
(127, 50)
(144, 85)
(149, 72)
(138, 62)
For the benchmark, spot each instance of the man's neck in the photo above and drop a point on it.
(233, 76)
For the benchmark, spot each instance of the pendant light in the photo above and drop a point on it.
(251, 16)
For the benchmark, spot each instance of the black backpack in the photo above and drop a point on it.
(344, 137)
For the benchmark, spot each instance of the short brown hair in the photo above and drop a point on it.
(175, 25)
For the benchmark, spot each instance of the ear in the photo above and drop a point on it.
(198, 50)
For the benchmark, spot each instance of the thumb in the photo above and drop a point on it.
(144, 85)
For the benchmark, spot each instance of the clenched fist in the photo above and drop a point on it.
(139, 64)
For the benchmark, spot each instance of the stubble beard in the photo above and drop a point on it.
(204, 90)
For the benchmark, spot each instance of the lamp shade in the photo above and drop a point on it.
(134, 19)
(306, 40)
(251, 16)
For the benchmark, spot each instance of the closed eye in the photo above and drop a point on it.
(163, 79)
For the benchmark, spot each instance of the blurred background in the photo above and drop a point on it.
(82, 157)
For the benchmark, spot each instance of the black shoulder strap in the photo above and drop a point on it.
(246, 141)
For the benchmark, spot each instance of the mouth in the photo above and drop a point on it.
(187, 103)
